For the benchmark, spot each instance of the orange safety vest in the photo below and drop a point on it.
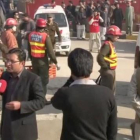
(112, 58)
(37, 42)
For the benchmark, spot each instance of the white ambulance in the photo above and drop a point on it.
(60, 18)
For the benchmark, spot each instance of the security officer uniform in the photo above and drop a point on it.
(40, 50)
(51, 29)
(107, 59)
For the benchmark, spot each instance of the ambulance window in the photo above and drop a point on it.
(59, 18)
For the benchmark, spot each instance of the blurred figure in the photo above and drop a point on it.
(81, 5)
(80, 122)
(94, 30)
(11, 8)
(11, 5)
(134, 92)
(71, 15)
(2, 16)
(8, 38)
(16, 16)
(108, 10)
(98, 7)
(90, 9)
(27, 25)
(63, 5)
(81, 22)
(137, 53)
(71, 10)
(53, 2)
(52, 29)
(118, 16)
(104, 24)
(129, 17)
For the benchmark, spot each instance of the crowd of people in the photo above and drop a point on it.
(111, 14)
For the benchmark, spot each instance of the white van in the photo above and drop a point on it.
(60, 18)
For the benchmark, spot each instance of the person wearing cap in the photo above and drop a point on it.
(51, 29)
(129, 18)
(7, 37)
(107, 58)
(94, 29)
(40, 48)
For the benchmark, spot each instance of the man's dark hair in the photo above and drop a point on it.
(19, 52)
(80, 62)
(103, 8)
(96, 10)
(15, 12)
(116, 4)
(53, 1)
(70, 2)
(25, 15)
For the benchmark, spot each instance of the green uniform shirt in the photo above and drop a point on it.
(105, 51)
(51, 30)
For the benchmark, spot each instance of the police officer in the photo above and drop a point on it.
(52, 28)
(107, 58)
(40, 48)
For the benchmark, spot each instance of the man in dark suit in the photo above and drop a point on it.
(118, 16)
(89, 110)
(23, 96)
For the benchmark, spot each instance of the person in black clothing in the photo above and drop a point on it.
(71, 9)
(89, 10)
(81, 23)
(63, 5)
(103, 25)
(71, 15)
(118, 16)
(89, 110)
(98, 7)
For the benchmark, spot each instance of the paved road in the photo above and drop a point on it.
(50, 119)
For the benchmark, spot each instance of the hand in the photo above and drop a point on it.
(58, 67)
(48, 97)
(14, 105)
